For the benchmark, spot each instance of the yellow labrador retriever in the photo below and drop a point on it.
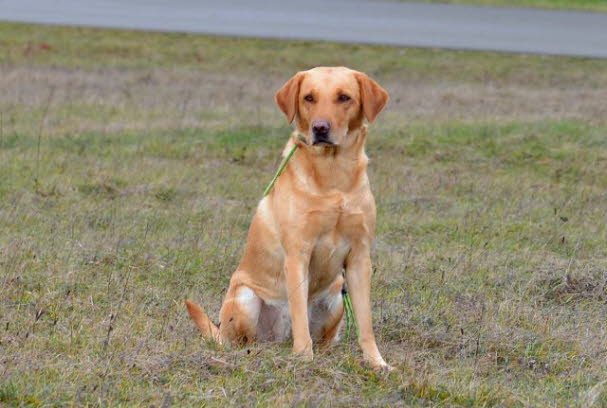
(317, 223)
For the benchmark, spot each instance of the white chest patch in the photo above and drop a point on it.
(248, 301)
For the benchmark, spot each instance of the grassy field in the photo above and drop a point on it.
(581, 5)
(131, 164)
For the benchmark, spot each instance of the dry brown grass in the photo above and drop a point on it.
(145, 98)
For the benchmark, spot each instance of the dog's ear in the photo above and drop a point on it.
(372, 96)
(287, 96)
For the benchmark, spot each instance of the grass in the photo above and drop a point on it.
(581, 5)
(131, 164)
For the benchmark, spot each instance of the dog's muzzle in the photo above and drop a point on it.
(321, 130)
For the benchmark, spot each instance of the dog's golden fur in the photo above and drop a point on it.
(317, 223)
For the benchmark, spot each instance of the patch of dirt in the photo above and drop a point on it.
(569, 289)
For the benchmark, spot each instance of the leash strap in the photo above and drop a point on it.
(350, 320)
(281, 168)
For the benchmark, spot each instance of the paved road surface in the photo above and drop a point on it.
(357, 21)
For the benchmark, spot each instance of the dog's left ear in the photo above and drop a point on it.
(372, 96)
(287, 96)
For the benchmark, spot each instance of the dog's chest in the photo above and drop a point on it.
(331, 249)
(344, 226)
(344, 222)
(327, 261)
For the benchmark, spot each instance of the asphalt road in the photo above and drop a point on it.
(356, 21)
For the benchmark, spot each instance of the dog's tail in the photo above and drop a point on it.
(203, 322)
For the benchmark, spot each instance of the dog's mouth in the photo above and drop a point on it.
(322, 140)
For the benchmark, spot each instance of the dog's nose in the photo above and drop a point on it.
(321, 128)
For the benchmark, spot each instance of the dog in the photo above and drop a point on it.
(314, 228)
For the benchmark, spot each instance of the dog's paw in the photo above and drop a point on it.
(383, 368)
(305, 353)
(379, 365)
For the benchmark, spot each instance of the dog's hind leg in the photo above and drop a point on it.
(326, 314)
(239, 315)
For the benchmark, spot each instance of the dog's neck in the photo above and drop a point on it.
(326, 169)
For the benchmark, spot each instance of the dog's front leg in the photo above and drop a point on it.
(296, 276)
(358, 278)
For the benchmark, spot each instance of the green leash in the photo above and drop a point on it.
(350, 320)
(281, 168)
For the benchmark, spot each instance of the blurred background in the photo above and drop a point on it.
(136, 139)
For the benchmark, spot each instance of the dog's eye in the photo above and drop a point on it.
(309, 98)
(343, 98)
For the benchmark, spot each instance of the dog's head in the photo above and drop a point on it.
(328, 103)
